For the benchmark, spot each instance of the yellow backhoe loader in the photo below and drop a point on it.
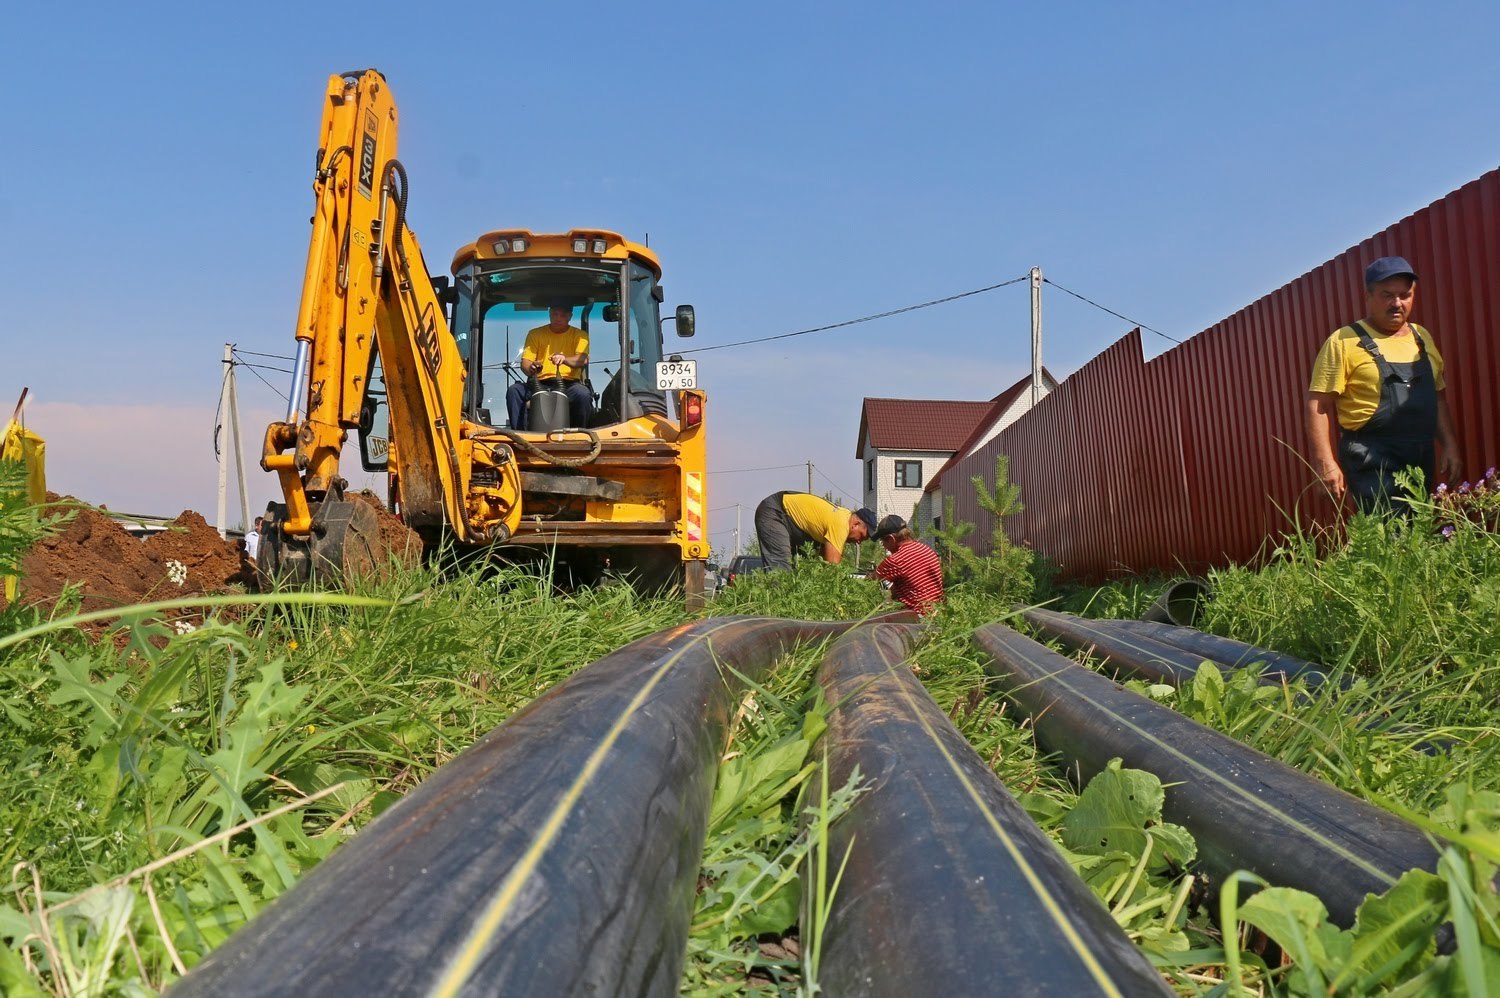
(599, 472)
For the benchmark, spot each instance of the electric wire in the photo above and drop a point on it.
(264, 367)
(1117, 315)
(219, 407)
(779, 467)
(837, 488)
(263, 381)
(855, 322)
(252, 353)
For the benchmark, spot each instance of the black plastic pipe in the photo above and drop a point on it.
(950, 888)
(1226, 651)
(558, 855)
(1246, 809)
(1134, 655)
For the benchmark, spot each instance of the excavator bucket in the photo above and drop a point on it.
(344, 544)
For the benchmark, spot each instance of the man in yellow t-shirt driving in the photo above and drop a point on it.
(1376, 401)
(557, 350)
(786, 521)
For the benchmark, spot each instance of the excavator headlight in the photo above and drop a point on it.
(518, 245)
(580, 246)
(599, 246)
(501, 245)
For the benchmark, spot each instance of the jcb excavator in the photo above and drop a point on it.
(419, 367)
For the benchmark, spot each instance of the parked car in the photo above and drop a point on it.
(743, 563)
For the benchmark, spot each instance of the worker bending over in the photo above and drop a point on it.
(911, 567)
(785, 521)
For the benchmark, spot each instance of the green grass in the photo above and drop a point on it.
(163, 790)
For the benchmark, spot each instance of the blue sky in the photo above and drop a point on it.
(793, 164)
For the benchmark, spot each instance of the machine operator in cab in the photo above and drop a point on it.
(557, 350)
(785, 521)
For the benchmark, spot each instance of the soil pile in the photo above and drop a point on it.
(113, 568)
(395, 536)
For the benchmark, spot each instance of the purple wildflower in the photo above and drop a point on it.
(1448, 530)
(1442, 488)
(1491, 474)
(1463, 489)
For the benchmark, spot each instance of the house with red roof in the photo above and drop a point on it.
(905, 444)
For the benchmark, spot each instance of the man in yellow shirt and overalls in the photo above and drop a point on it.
(785, 521)
(1376, 398)
(557, 350)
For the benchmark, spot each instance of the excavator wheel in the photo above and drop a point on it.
(345, 544)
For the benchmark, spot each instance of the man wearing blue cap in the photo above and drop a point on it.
(786, 521)
(1376, 401)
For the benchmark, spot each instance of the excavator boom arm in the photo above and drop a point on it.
(366, 288)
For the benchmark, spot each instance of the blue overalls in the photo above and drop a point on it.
(1399, 434)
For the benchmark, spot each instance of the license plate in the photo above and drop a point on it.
(674, 375)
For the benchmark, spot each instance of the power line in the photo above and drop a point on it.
(836, 486)
(219, 407)
(252, 353)
(866, 318)
(263, 381)
(1117, 315)
(263, 367)
(736, 471)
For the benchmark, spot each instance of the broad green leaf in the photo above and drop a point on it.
(774, 914)
(1393, 932)
(1117, 811)
(1293, 920)
(1208, 690)
(1112, 812)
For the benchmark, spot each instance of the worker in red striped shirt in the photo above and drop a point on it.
(911, 567)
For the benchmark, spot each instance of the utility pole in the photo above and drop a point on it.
(736, 528)
(809, 476)
(1036, 335)
(229, 405)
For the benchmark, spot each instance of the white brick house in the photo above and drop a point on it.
(903, 442)
(906, 444)
(1005, 408)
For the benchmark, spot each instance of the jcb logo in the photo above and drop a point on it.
(427, 340)
(367, 156)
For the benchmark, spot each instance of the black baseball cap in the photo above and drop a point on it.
(891, 524)
(867, 516)
(1388, 266)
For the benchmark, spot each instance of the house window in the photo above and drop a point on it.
(908, 474)
(870, 475)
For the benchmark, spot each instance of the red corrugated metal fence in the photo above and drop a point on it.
(1198, 457)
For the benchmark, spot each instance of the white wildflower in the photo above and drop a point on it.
(176, 572)
(184, 626)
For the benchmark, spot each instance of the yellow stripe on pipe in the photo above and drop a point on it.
(1059, 917)
(493, 916)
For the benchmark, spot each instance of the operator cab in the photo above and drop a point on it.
(504, 286)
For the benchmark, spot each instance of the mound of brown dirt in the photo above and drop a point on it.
(114, 569)
(212, 563)
(395, 536)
